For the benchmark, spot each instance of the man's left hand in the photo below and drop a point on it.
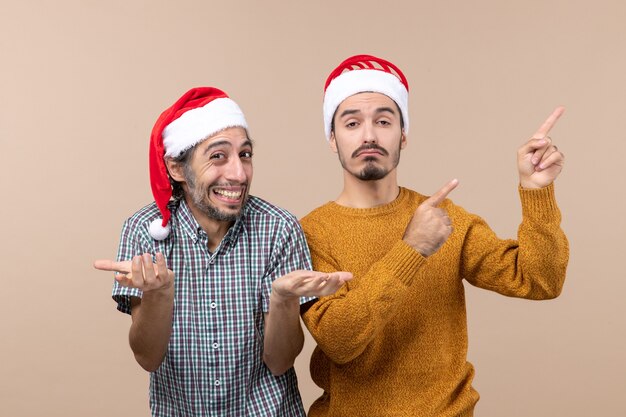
(539, 161)
(302, 283)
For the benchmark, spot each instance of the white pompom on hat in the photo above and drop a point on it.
(360, 74)
(198, 114)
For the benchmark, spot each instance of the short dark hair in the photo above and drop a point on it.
(182, 159)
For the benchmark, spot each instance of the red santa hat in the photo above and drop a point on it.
(360, 74)
(199, 113)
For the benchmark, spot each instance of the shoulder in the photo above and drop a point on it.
(144, 215)
(453, 210)
(459, 215)
(411, 197)
(139, 222)
(259, 212)
(414, 199)
(149, 213)
(319, 222)
(319, 215)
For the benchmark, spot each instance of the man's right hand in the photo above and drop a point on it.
(140, 273)
(430, 225)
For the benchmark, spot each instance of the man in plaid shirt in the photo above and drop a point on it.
(219, 330)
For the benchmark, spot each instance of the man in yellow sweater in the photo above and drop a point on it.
(393, 341)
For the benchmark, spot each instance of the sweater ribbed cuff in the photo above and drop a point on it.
(403, 262)
(539, 202)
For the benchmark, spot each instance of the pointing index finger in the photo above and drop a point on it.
(549, 123)
(108, 265)
(441, 195)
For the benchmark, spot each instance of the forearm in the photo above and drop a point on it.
(283, 339)
(345, 323)
(151, 328)
(531, 267)
(544, 249)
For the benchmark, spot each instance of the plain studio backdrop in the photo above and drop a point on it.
(82, 83)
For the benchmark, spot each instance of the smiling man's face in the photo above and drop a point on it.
(217, 179)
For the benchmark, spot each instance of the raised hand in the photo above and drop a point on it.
(430, 225)
(140, 273)
(302, 283)
(539, 161)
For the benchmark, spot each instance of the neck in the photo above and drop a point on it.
(367, 194)
(215, 229)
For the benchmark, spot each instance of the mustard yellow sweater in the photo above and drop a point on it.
(393, 341)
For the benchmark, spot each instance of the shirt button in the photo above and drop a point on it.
(215, 345)
(211, 261)
(217, 383)
(213, 304)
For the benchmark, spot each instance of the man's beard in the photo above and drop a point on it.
(201, 200)
(371, 171)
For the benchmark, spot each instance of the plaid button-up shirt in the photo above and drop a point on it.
(213, 365)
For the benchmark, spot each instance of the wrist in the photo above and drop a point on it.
(529, 185)
(281, 300)
(418, 247)
(159, 294)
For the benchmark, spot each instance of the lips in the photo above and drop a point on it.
(368, 150)
(230, 195)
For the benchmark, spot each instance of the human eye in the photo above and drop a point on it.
(217, 156)
(351, 125)
(246, 154)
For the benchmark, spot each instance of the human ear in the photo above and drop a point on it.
(333, 142)
(175, 169)
(403, 141)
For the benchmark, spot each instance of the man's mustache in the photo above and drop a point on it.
(369, 146)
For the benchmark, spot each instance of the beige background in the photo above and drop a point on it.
(83, 81)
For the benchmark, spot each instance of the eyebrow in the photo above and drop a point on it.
(348, 112)
(228, 143)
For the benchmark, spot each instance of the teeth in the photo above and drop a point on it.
(229, 194)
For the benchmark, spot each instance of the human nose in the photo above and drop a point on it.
(369, 133)
(236, 171)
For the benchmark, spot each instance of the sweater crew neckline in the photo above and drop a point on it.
(377, 210)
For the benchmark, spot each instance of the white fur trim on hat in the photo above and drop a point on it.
(158, 231)
(196, 125)
(360, 81)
